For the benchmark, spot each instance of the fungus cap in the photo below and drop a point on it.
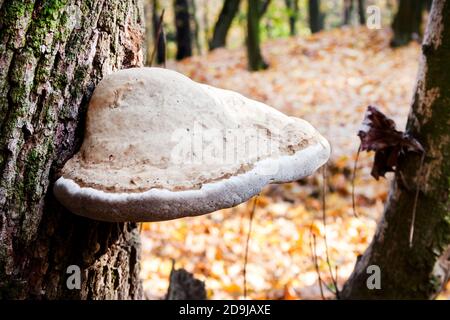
(159, 146)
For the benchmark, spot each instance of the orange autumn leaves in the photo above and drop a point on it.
(328, 79)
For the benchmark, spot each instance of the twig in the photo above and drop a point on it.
(158, 34)
(312, 245)
(353, 181)
(416, 197)
(324, 221)
(252, 213)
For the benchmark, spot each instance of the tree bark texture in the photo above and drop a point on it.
(184, 286)
(407, 22)
(255, 59)
(196, 26)
(229, 10)
(183, 27)
(52, 54)
(421, 271)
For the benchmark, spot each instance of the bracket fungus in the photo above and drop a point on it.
(159, 146)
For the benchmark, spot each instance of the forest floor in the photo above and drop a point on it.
(328, 79)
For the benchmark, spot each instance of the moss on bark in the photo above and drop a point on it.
(52, 53)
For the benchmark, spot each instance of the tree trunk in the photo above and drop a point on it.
(263, 6)
(255, 59)
(184, 286)
(182, 24)
(348, 10)
(292, 6)
(316, 18)
(421, 271)
(362, 12)
(52, 54)
(407, 22)
(159, 40)
(229, 10)
(196, 31)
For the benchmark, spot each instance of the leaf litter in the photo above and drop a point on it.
(328, 79)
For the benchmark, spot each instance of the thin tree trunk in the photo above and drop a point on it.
(159, 39)
(421, 271)
(316, 18)
(196, 31)
(205, 20)
(348, 10)
(255, 59)
(229, 10)
(407, 22)
(182, 24)
(148, 41)
(362, 12)
(52, 54)
(292, 6)
(264, 5)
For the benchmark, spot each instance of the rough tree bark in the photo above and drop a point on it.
(316, 18)
(421, 271)
(182, 24)
(292, 6)
(229, 10)
(52, 54)
(407, 22)
(255, 59)
(184, 286)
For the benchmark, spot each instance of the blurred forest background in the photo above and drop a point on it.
(323, 61)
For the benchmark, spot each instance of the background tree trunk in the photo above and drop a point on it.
(362, 12)
(407, 22)
(421, 271)
(316, 18)
(161, 39)
(348, 10)
(263, 6)
(52, 54)
(182, 24)
(255, 59)
(229, 10)
(292, 6)
(196, 31)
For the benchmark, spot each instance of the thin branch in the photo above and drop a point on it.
(324, 221)
(353, 181)
(252, 213)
